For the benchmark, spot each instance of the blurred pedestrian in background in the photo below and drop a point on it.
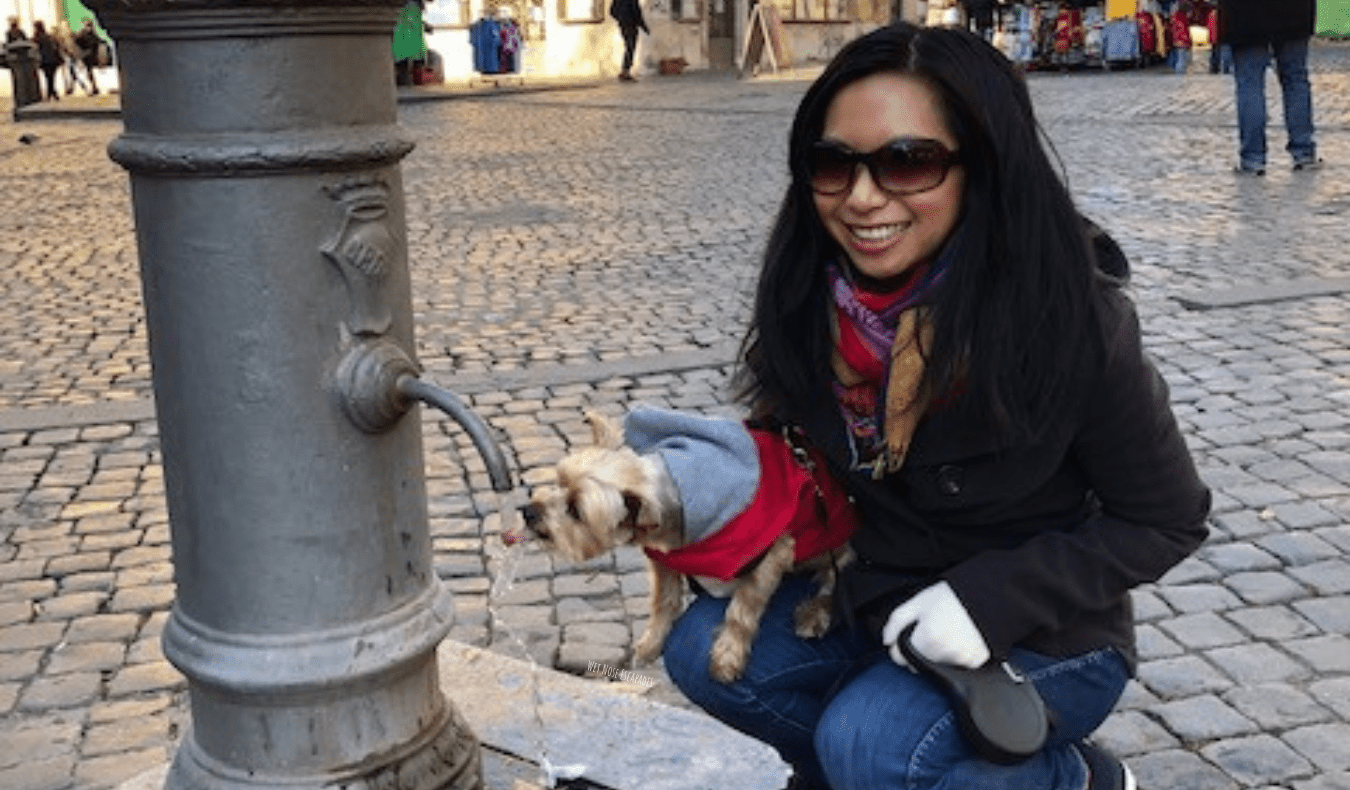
(15, 33)
(1220, 51)
(49, 57)
(87, 43)
(65, 40)
(628, 13)
(1180, 56)
(1258, 30)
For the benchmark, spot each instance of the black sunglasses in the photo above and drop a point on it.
(905, 166)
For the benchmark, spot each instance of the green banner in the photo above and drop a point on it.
(1333, 18)
(76, 13)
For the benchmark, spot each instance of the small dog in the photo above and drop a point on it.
(733, 507)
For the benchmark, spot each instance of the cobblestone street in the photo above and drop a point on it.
(597, 248)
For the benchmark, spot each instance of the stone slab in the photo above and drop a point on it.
(500, 772)
(524, 714)
(625, 741)
(1264, 293)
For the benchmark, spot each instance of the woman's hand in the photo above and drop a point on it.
(943, 630)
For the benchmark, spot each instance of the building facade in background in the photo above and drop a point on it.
(577, 38)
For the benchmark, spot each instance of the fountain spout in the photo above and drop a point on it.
(379, 382)
(414, 388)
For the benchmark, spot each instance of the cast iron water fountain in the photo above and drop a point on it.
(262, 141)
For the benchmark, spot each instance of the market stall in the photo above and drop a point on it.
(1073, 34)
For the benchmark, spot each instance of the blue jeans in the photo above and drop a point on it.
(845, 717)
(1179, 59)
(1291, 64)
(1221, 59)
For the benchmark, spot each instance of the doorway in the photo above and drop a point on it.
(721, 34)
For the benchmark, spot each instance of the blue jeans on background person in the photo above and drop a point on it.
(846, 717)
(1179, 59)
(1249, 69)
(1221, 59)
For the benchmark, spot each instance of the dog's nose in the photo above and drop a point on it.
(533, 515)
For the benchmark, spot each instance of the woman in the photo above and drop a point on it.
(65, 40)
(948, 331)
(49, 57)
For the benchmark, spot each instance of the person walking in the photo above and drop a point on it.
(1258, 30)
(87, 43)
(1180, 56)
(981, 13)
(628, 13)
(1220, 53)
(49, 57)
(65, 40)
(936, 318)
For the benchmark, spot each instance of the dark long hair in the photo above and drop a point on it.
(1013, 313)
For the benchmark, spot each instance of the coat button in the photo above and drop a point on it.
(950, 480)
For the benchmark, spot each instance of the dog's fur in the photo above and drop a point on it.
(608, 495)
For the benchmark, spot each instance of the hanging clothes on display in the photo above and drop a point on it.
(497, 45)
(1064, 35)
(485, 38)
(1069, 37)
(509, 46)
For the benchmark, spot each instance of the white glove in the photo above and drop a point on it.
(943, 630)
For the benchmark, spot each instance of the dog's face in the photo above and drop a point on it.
(600, 495)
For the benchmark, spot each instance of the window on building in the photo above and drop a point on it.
(527, 14)
(581, 10)
(447, 13)
(833, 10)
(686, 10)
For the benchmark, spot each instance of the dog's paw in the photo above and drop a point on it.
(728, 659)
(812, 618)
(648, 648)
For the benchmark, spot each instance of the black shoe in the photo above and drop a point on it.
(1105, 772)
(1249, 171)
(1308, 164)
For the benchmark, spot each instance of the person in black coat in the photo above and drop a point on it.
(1257, 31)
(628, 13)
(982, 17)
(50, 59)
(936, 318)
(87, 43)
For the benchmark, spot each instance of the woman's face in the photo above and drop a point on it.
(885, 235)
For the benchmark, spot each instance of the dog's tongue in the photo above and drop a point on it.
(511, 523)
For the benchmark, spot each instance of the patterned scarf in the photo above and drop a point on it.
(878, 363)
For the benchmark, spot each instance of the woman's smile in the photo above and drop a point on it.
(873, 234)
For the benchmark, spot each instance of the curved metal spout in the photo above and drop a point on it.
(410, 386)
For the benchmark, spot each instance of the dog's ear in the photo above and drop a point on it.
(605, 432)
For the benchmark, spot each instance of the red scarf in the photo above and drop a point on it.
(878, 363)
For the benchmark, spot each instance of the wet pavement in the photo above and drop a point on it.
(596, 248)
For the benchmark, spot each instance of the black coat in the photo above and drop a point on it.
(1042, 542)
(628, 13)
(1252, 22)
(49, 52)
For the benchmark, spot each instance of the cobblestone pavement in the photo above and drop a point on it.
(596, 248)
